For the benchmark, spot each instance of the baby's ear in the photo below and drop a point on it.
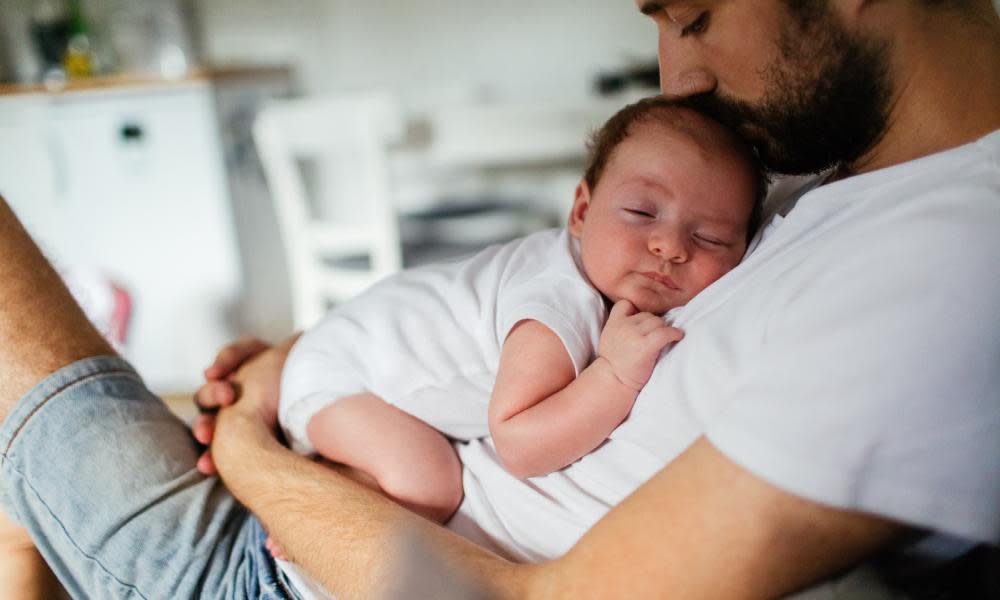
(581, 202)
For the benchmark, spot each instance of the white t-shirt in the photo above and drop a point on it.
(428, 340)
(853, 358)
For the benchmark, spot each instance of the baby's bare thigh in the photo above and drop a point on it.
(409, 460)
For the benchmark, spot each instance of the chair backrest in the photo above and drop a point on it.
(349, 134)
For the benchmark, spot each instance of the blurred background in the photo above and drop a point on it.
(202, 169)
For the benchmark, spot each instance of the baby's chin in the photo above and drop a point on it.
(658, 306)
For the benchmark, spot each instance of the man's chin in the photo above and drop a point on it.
(774, 156)
(782, 159)
(754, 134)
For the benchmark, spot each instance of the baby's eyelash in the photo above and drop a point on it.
(709, 240)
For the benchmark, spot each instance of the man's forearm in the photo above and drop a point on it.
(343, 534)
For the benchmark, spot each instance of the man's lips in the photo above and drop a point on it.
(662, 279)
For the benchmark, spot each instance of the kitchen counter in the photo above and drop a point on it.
(139, 80)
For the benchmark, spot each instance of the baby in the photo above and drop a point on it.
(517, 342)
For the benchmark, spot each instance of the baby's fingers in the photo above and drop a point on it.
(661, 336)
(644, 323)
(621, 309)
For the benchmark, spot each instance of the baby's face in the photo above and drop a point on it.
(665, 220)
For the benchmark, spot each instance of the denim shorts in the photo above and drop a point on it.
(102, 475)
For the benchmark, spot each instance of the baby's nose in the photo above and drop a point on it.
(669, 245)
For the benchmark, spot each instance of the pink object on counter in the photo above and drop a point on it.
(107, 304)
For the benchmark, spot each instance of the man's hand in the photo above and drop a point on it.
(631, 342)
(247, 362)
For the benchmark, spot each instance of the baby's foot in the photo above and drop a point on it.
(275, 549)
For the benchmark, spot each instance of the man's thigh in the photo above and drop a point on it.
(101, 474)
(23, 572)
(42, 329)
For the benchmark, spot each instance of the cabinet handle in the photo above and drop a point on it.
(132, 132)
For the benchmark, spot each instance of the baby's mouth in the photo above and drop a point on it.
(662, 279)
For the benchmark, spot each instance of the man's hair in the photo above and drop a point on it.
(669, 112)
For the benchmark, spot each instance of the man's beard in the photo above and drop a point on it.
(827, 100)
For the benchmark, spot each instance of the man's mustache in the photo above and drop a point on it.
(748, 122)
(731, 113)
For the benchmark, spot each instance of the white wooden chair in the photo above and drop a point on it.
(347, 136)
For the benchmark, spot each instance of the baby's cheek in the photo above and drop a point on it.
(713, 271)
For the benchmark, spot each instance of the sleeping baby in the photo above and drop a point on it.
(542, 343)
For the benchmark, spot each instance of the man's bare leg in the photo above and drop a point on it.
(23, 572)
(41, 327)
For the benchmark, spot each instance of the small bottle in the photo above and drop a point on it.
(50, 33)
(78, 61)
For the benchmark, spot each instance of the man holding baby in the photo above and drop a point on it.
(836, 398)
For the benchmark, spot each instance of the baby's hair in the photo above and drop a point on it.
(670, 113)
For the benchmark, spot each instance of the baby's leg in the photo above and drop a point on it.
(411, 461)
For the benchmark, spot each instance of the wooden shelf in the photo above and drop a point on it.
(141, 80)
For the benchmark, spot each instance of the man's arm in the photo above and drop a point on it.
(342, 532)
(703, 527)
(345, 535)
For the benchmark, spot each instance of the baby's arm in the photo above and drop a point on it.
(541, 417)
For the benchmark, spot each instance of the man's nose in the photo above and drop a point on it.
(682, 73)
(669, 244)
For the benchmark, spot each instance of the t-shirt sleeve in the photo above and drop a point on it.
(568, 306)
(321, 368)
(877, 382)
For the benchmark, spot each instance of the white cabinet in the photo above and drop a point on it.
(29, 171)
(132, 181)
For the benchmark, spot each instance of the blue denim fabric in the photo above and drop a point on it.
(102, 475)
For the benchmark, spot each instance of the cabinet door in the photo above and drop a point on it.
(146, 196)
(32, 176)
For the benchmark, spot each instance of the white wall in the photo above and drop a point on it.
(520, 47)
(517, 47)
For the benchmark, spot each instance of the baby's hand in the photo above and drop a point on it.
(631, 342)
